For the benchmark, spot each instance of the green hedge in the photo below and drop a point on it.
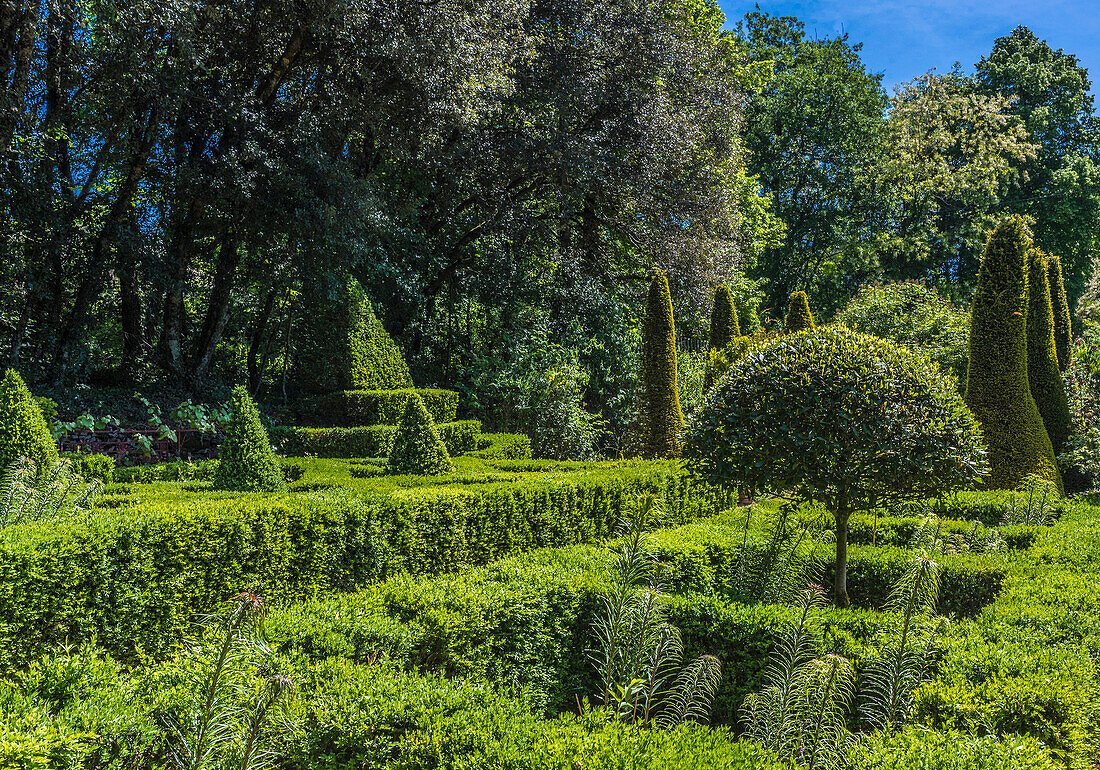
(925, 749)
(361, 408)
(503, 446)
(132, 579)
(92, 467)
(374, 441)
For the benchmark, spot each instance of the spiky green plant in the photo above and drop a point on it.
(1033, 503)
(29, 494)
(794, 555)
(638, 653)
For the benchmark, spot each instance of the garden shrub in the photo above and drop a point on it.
(916, 747)
(1063, 321)
(997, 388)
(1043, 374)
(362, 408)
(246, 461)
(173, 470)
(93, 467)
(417, 447)
(343, 346)
(912, 314)
(375, 441)
(659, 416)
(23, 431)
(502, 446)
(724, 327)
(799, 318)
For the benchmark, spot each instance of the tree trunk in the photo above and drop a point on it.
(217, 309)
(180, 249)
(840, 578)
(130, 313)
(255, 366)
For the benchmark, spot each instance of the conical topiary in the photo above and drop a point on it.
(417, 447)
(23, 431)
(1044, 377)
(1063, 323)
(246, 461)
(799, 318)
(660, 419)
(724, 327)
(997, 388)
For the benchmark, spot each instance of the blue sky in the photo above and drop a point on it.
(904, 38)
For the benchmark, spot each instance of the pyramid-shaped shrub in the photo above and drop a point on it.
(660, 419)
(23, 431)
(724, 328)
(1043, 375)
(799, 318)
(417, 447)
(246, 461)
(344, 346)
(997, 388)
(1063, 328)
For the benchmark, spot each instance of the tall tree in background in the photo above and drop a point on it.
(1060, 185)
(815, 133)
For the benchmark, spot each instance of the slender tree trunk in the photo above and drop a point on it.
(130, 313)
(217, 309)
(255, 365)
(840, 578)
(180, 250)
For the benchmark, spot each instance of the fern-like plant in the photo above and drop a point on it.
(30, 494)
(1033, 503)
(638, 654)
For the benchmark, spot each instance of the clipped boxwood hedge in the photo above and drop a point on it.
(360, 408)
(373, 441)
(503, 446)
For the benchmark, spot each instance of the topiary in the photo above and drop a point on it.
(246, 461)
(1063, 324)
(23, 430)
(724, 327)
(1044, 377)
(838, 418)
(659, 416)
(799, 318)
(997, 388)
(345, 347)
(417, 447)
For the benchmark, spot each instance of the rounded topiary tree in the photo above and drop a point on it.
(417, 447)
(246, 461)
(1043, 375)
(1063, 323)
(724, 327)
(997, 388)
(23, 431)
(799, 318)
(843, 419)
(659, 415)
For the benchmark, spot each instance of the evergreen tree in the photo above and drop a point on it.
(660, 418)
(1043, 374)
(724, 327)
(246, 461)
(417, 447)
(997, 388)
(1063, 325)
(799, 318)
(23, 431)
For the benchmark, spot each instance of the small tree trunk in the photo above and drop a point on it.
(840, 578)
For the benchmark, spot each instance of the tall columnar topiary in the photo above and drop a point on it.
(246, 461)
(1063, 324)
(799, 318)
(660, 418)
(724, 327)
(997, 388)
(1044, 377)
(343, 345)
(417, 447)
(23, 431)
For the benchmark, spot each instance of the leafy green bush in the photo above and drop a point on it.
(374, 441)
(914, 315)
(246, 461)
(362, 408)
(92, 466)
(417, 447)
(724, 326)
(174, 470)
(1043, 374)
(997, 389)
(501, 446)
(840, 418)
(660, 420)
(23, 431)
(798, 318)
(916, 747)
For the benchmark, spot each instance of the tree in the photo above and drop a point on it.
(23, 431)
(1043, 375)
(815, 133)
(659, 415)
(1059, 186)
(997, 388)
(799, 318)
(838, 418)
(1063, 323)
(417, 447)
(952, 153)
(724, 327)
(246, 461)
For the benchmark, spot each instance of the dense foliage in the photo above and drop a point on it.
(798, 318)
(23, 431)
(724, 325)
(660, 420)
(997, 388)
(1063, 321)
(246, 461)
(417, 447)
(1043, 375)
